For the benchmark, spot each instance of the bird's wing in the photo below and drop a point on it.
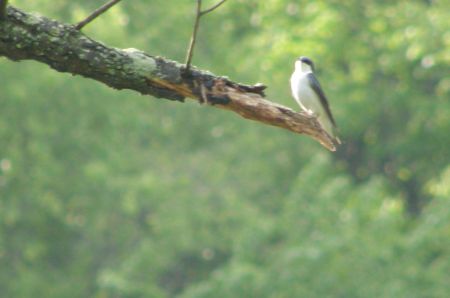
(314, 83)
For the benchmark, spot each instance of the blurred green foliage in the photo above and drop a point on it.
(111, 194)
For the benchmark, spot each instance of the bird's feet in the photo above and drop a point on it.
(311, 113)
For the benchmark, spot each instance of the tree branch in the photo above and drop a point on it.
(190, 51)
(198, 15)
(26, 36)
(212, 7)
(96, 13)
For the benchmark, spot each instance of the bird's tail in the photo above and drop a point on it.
(330, 128)
(337, 140)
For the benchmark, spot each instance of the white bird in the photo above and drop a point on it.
(309, 95)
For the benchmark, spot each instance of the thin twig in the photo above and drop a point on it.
(3, 4)
(212, 7)
(198, 15)
(96, 13)
(194, 36)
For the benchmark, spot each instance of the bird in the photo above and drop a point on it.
(308, 93)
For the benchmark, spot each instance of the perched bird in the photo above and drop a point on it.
(309, 95)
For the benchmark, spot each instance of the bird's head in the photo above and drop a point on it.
(304, 64)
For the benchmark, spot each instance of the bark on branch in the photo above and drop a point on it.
(25, 36)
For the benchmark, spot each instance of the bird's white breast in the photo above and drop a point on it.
(304, 94)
